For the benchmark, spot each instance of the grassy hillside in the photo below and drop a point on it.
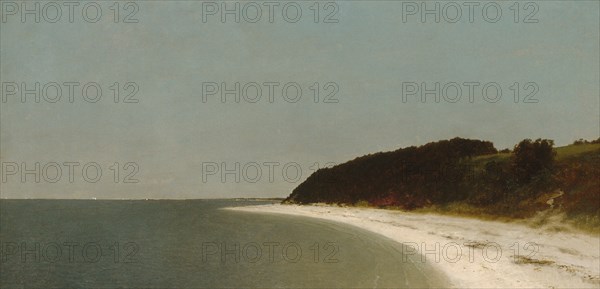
(469, 177)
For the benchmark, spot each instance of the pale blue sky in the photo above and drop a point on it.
(170, 133)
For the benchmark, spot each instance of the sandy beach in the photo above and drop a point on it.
(474, 253)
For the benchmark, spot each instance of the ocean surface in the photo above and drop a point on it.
(191, 244)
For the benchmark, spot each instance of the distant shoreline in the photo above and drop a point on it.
(149, 199)
(563, 259)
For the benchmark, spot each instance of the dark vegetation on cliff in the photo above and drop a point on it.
(532, 177)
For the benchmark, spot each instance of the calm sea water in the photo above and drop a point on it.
(190, 244)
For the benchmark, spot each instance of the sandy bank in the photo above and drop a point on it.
(475, 253)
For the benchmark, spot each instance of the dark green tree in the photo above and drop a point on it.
(531, 158)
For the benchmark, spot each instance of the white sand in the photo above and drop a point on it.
(568, 259)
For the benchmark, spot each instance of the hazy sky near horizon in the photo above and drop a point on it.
(176, 144)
